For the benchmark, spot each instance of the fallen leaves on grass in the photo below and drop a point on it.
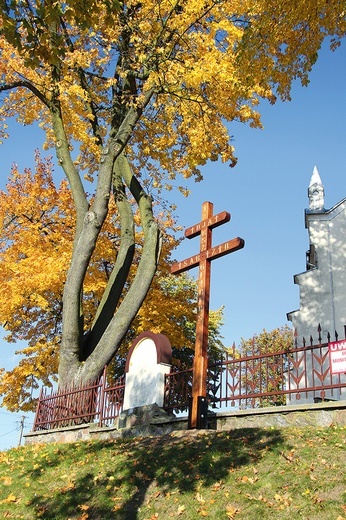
(84, 516)
(181, 510)
(11, 498)
(284, 500)
(288, 456)
(259, 482)
(199, 498)
(7, 481)
(251, 480)
(231, 511)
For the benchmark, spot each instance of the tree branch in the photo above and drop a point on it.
(28, 85)
(126, 312)
(123, 262)
(63, 154)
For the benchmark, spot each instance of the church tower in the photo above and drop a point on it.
(322, 287)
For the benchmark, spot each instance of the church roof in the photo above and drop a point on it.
(324, 212)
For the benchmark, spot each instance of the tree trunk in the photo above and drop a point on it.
(83, 362)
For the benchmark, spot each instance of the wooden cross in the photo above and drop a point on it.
(203, 260)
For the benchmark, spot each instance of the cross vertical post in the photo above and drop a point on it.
(203, 260)
(200, 361)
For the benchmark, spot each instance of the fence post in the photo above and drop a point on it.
(38, 408)
(102, 394)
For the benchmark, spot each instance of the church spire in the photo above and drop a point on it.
(316, 192)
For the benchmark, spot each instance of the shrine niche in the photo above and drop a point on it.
(148, 361)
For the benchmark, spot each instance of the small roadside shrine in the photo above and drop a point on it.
(148, 361)
(207, 253)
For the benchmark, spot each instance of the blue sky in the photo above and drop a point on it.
(266, 194)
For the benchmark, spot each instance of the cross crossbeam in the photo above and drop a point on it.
(203, 260)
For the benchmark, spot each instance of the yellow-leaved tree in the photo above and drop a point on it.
(132, 94)
(37, 222)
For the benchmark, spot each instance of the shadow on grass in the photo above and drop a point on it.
(167, 463)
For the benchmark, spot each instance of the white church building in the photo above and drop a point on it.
(322, 292)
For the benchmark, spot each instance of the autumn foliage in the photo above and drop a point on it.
(132, 95)
(35, 251)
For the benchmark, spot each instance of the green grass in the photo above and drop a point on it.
(252, 474)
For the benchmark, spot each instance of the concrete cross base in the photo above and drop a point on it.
(147, 414)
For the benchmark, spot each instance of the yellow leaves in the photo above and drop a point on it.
(181, 510)
(231, 511)
(36, 230)
(208, 64)
(200, 498)
(251, 480)
(6, 481)
(75, 91)
(68, 487)
(9, 500)
(284, 500)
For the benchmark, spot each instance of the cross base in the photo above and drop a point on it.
(198, 413)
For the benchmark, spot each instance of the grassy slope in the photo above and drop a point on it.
(244, 474)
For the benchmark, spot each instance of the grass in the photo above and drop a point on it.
(243, 474)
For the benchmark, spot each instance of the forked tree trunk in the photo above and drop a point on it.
(82, 360)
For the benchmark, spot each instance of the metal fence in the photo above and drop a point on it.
(239, 382)
(300, 374)
(98, 403)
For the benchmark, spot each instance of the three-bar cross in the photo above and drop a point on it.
(203, 260)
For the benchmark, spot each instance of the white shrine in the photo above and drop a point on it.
(322, 287)
(148, 361)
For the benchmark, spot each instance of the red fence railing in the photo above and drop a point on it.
(264, 379)
(96, 403)
(252, 381)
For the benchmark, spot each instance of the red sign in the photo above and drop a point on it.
(337, 356)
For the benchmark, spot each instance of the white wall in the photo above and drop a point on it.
(322, 290)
